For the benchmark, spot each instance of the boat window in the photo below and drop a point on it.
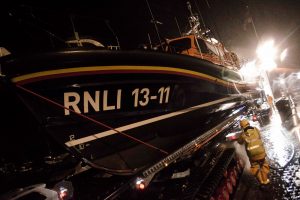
(179, 45)
(203, 46)
(215, 49)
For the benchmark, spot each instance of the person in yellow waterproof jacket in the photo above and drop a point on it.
(255, 151)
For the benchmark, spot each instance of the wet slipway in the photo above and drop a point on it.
(282, 143)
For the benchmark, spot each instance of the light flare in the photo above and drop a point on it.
(249, 71)
(283, 55)
(266, 51)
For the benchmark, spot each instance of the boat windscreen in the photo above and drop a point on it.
(203, 46)
(215, 49)
(179, 45)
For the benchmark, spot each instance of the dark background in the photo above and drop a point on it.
(35, 26)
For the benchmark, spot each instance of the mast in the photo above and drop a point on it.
(195, 27)
(202, 20)
(194, 22)
(196, 30)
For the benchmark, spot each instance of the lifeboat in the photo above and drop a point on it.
(118, 110)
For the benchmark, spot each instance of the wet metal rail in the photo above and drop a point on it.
(147, 175)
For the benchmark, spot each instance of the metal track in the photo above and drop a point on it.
(186, 150)
(201, 175)
(214, 178)
(190, 147)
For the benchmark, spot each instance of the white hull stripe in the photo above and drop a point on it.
(142, 123)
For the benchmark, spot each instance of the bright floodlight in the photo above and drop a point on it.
(266, 54)
(266, 51)
(283, 55)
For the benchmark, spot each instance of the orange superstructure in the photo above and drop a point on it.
(204, 48)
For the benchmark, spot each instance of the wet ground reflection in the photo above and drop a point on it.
(279, 148)
(283, 152)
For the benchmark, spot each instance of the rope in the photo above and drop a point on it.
(91, 119)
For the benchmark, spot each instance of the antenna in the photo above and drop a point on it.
(155, 22)
(202, 20)
(252, 23)
(178, 26)
(111, 30)
(213, 21)
(76, 35)
(149, 38)
(189, 7)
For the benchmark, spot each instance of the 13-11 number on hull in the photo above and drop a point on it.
(142, 96)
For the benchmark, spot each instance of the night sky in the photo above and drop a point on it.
(31, 26)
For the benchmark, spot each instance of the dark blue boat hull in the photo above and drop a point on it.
(161, 99)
